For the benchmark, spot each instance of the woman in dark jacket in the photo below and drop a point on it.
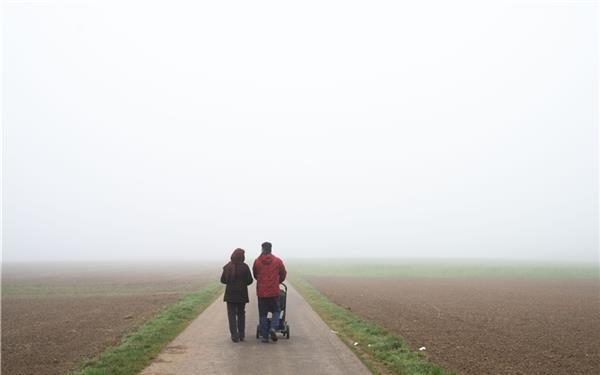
(237, 276)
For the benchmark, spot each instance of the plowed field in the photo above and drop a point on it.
(55, 315)
(484, 326)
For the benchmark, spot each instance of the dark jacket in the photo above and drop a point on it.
(268, 271)
(236, 275)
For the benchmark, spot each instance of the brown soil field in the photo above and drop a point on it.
(484, 326)
(56, 315)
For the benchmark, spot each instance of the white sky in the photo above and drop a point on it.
(184, 129)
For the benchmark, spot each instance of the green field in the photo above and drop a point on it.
(433, 268)
(88, 289)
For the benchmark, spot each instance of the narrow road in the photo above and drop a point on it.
(204, 347)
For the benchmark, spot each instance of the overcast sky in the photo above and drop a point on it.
(185, 129)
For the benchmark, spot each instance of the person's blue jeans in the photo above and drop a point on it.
(264, 306)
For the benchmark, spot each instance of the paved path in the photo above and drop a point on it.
(204, 348)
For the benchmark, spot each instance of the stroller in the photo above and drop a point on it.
(283, 326)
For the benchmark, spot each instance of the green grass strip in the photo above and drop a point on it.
(138, 348)
(433, 269)
(381, 351)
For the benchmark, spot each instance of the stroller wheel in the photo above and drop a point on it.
(287, 332)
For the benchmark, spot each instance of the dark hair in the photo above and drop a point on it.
(266, 247)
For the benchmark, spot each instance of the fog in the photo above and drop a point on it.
(180, 130)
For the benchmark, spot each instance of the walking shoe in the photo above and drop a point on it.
(241, 338)
(273, 334)
(265, 340)
(235, 339)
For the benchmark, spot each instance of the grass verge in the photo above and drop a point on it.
(137, 349)
(381, 351)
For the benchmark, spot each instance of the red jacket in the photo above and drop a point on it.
(268, 271)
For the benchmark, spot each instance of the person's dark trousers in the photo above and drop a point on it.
(264, 306)
(236, 312)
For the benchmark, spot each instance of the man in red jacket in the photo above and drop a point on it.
(269, 271)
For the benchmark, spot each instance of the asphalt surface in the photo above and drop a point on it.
(205, 347)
